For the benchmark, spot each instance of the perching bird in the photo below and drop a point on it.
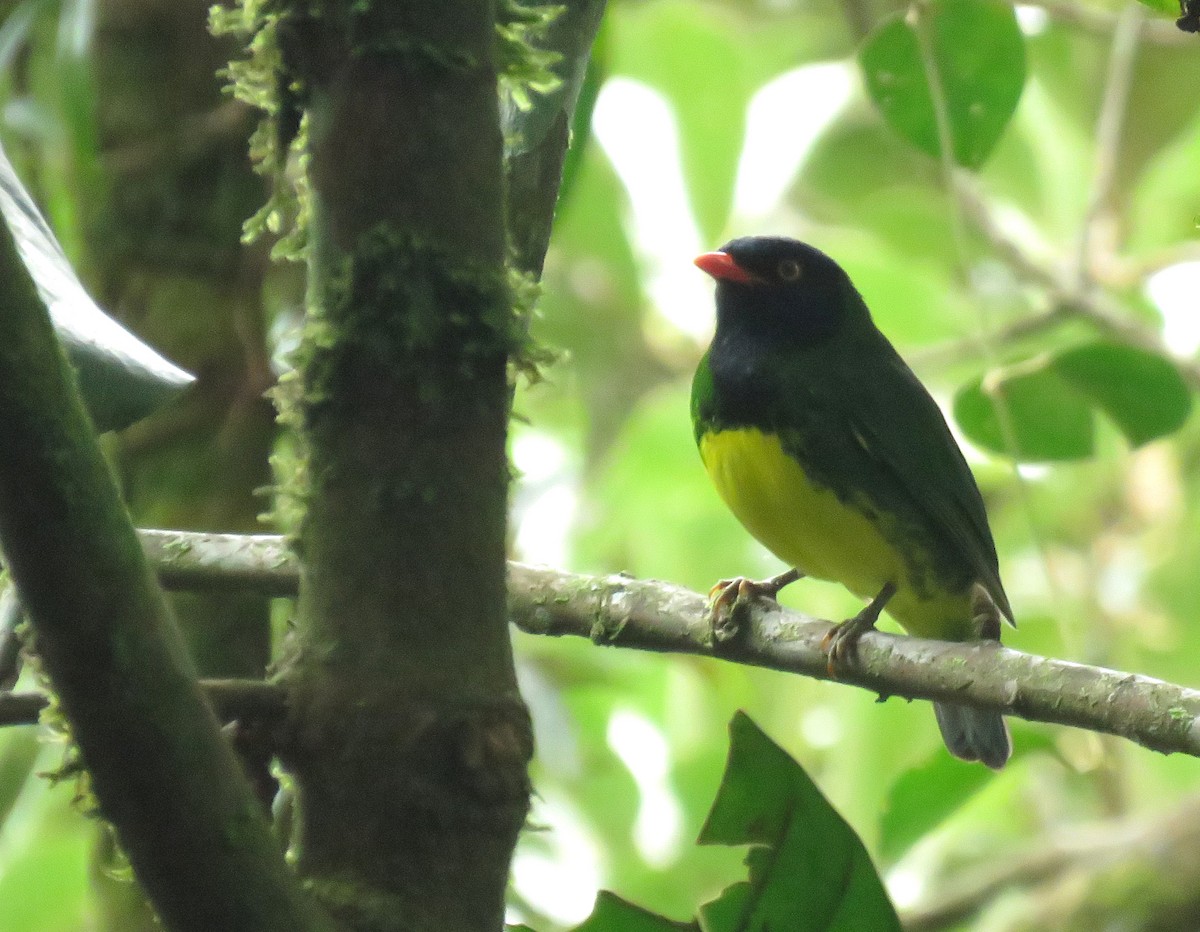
(834, 456)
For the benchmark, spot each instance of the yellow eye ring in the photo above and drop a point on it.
(788, 270)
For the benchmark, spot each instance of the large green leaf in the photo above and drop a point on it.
(1141, 392)
(121, 378)
(808, 869)
(975, 52)
(1044, 409)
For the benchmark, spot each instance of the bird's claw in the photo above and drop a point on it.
(728, 602)
(840, 643)
(730, 599)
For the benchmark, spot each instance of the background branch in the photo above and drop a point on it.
(1133, 872)
(1069, 299)
(230, 699)
(1097, 234)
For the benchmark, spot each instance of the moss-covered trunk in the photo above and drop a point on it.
(411, 765)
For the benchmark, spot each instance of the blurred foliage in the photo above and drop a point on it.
(765, 121)
(1044, 408)
(1098, 553)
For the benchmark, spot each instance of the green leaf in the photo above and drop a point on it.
(120, 377)
(1031, 414)
(1044, 409)
(808, 870)
(1143, 394)
(613, 914)
(977, 54)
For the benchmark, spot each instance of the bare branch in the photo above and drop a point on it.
(620, 611)
(21, 708)
(1098, 232)
(1070, 301)
(198, 562)
(1127, 869)
(230, 699)
(624, 612)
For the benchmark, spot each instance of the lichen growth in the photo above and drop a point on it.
(524, 67)
(262, 79)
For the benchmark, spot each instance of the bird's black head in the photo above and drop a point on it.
(783, 290)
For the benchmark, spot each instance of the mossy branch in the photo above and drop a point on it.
(619, 611)
(161, 772)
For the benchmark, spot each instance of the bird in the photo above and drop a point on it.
(832, 454)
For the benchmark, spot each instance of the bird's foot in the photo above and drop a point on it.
(985, 614)
(841, 641)
(730, 599)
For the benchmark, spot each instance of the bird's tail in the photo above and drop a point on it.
(974, 734)
(977, 734)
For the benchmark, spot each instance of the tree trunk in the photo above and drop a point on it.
(411, 761)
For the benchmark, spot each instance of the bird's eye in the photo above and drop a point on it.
(788, 270)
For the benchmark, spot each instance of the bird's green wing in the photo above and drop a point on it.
(884, 431)
(904, 429)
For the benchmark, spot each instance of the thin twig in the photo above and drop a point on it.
(197, 562)
(1094, 306)
(230, 699)
(952, 351)
(955, 184)
(1096, 232)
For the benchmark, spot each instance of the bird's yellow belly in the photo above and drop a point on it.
(811, 528)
